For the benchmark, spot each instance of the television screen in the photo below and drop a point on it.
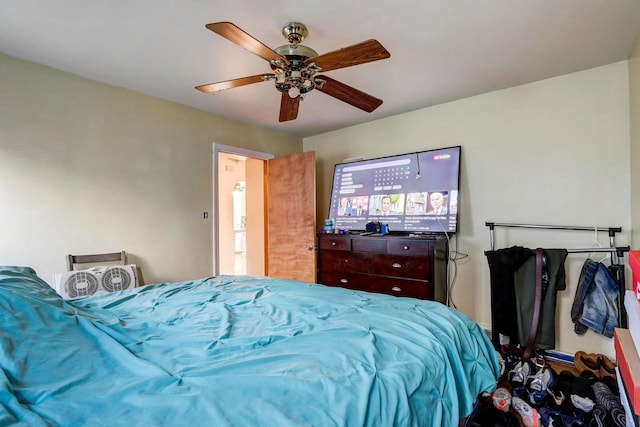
(411, 193)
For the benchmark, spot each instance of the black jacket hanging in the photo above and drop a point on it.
(512, 274)
(503, 263)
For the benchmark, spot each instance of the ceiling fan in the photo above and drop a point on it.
(295, 68)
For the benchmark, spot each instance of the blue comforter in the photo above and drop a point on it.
(235, 351)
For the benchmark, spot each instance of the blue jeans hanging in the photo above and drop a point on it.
(595, 305)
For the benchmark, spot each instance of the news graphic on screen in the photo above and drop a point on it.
(412, 193)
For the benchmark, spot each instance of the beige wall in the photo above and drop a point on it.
(634, 114)
(86, 167)
(550, 152)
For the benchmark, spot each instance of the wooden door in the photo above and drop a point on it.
(291, 217)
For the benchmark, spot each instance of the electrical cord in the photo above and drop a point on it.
(453, 256)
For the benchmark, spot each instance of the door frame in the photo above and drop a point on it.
(217, 148)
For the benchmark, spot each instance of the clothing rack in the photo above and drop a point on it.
(617, 254)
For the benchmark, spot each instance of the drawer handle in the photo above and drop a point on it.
(405, 247)
(344, 281)
(396, 265)
(396, 289)
(333, 243)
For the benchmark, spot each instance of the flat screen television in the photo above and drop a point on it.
(411, 193)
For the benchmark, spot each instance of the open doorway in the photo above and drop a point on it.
(239, 223)
(275, 239)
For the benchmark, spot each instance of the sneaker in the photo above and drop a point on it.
(511, 357)
(538, 385)
(485, 414)
(559, 418)
(501, 399)
(560, 392)
(528, 415)
(518, 378)
(612, 383)
(610, 403)
(598, 416)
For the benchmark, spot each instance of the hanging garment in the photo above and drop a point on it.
(503, 263)
(595, 304)
(525, 285)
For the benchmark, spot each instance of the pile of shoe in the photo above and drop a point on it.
(534, 394)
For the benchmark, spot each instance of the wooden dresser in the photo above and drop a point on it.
(391, 264)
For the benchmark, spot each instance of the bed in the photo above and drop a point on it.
(235, 351)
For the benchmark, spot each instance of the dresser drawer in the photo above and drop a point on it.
(355, 281)
(370, 245)
(400, 266)
(402, 287)
(340, 260)
(336, 243)
(410, 247)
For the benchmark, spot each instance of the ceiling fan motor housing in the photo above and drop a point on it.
(295, 32)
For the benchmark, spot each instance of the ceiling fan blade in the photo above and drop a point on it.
(347, 94)
(289, 107)
(228, 84)
(361, 53)
(234, 34)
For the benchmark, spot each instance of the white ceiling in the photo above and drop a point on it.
(441, 50)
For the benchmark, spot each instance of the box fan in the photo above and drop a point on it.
(96, 280)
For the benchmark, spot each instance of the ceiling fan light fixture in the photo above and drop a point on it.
(277, 64)
(294, 92)
(300, 80)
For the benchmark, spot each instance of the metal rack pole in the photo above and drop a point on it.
(554, 227)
